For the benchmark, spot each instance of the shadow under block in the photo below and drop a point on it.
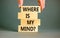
(27, 28)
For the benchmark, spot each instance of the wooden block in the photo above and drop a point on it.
(31, 9)
(27, 15)
(30, 22)
(26, 28)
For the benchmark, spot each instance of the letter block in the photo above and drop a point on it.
(30, 22)
(26, 28)
(27, 15)
(29, 19)
(31, 9)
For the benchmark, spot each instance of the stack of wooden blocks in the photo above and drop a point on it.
(29, 19)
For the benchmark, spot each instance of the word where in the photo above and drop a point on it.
(30, 9)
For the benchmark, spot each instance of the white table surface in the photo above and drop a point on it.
(12, 34)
